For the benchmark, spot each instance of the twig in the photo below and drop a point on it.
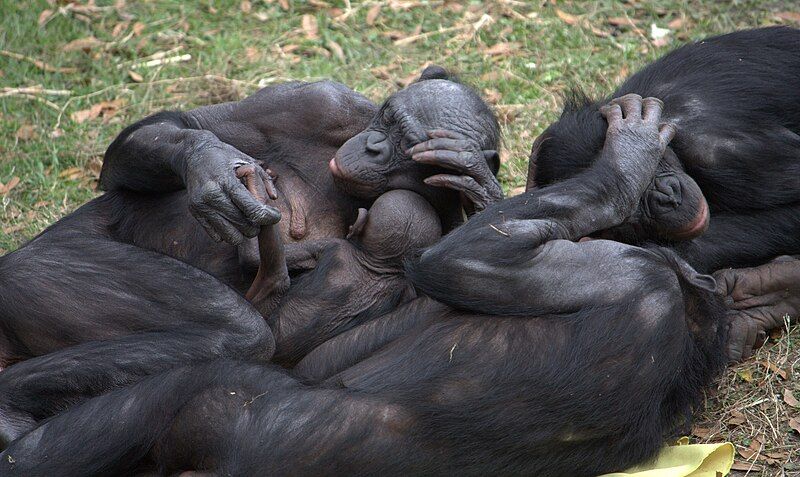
(413, 38)
(162, 61)
(33, 97)
(38, 63)
(501, 232)
(155, 56)
(35, 90)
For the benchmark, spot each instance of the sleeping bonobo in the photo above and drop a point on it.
(609, 348)
(131, 284)
(353, 280)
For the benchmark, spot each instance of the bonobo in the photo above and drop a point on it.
(131, 284)
(594, 384)
(353, 280)
(727, 191)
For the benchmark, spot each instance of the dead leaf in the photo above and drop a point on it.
(492, 96)
(310, 26)
(252, 54)
(675, 24)
(746, 375)
(701, 432)
(72, 173)
(138, 28)
(119, 28)
(84, 44)
(13, 228)
(746, 466)
(106, 109)
(621, 22)
(600, 33)
(136, 77)
(44, 16)
(746, 452)
(6, 188)
(26, 132)
(40, 204)
(284, 4)
(772, 367)
(336, 49)
(567, 18)
(373, 13)
(501, 49)
(245, 6)
(789, 16)
(789, 398)
(794, 422)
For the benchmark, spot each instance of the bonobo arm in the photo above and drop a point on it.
(500, 245)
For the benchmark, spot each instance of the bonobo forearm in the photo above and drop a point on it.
(152, 155)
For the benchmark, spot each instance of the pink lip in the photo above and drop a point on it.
(698, 226)
(334, 168)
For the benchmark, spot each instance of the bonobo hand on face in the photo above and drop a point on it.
(759, 299)
(635, 140)
(218, 198)
(380, 158)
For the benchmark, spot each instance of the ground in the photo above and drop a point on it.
(74, 73)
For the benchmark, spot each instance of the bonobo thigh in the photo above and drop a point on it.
(107, 313)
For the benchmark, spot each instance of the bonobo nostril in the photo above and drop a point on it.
(665, 196)
(376, 142)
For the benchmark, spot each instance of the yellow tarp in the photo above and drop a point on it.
(688, 460)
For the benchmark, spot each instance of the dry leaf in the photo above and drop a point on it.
(567, 18)
(746, 452)
(492, 96)
(6, 188)
(501, 49)
(701, 432)
(84, 44)
(310, 26)
(746, 375)
(789, 16)
(26, 132)
(119, 28)
(44, 16)
(245, 6)
(772, 367)
(106, 109)
(252, 54)
(373, 13)
(675, 24)
(284, 4)
(746, 466)
(621, 21)
(336, 49)
(794, 422)
(138, 28)
(136, 77)
(72, 173)
(789, 398)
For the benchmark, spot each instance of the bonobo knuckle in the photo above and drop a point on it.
(209, 192)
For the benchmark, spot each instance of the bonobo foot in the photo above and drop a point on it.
(758, 300)
(13, 424)
(453, 151)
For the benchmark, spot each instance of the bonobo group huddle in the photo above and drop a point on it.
(304, 283)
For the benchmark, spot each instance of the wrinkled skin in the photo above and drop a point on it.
(353, 281)
(594, 385)
(759, 299)
(153, 260)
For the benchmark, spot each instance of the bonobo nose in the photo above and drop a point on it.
(377, 143)
(667, 194)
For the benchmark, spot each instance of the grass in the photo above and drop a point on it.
(522, 56)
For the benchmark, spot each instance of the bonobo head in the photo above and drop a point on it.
(673, 206)
(398, 222)
(376, 160)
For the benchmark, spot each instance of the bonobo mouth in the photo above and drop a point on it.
(698, 226)
(335, 168)
(366, 184)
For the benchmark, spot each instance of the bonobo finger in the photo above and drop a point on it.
(445, 133)
(269, 177)
(741, 338)
(651, 109)
(631, 105)
(667, 133)
(466, 184)
(443, 158)
(252, 179)
(255, 212)
(440, 143)
(208, 228)
(612, 113)
(223, 230)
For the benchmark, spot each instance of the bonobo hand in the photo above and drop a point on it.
(220, 201)
(454, 151)
(635, 143)
(758, 299)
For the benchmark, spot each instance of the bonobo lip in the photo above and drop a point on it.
(698, 225)
(335, 168)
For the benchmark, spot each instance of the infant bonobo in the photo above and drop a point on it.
(353, 280)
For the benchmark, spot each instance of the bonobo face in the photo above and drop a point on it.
(375, 160)
(672, 208)
(398, 222)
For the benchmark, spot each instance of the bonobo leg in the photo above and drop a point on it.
(108, 313)
(759, 299)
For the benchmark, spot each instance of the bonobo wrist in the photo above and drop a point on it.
(199, 144)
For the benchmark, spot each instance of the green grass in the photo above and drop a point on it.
(550, 54)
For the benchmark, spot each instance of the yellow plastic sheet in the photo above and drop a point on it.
(687, 460)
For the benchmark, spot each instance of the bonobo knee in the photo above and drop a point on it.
(247, 335)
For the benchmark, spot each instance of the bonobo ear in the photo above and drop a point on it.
(358, 226)
(493, 159)
(706, 282)
(434, 72)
